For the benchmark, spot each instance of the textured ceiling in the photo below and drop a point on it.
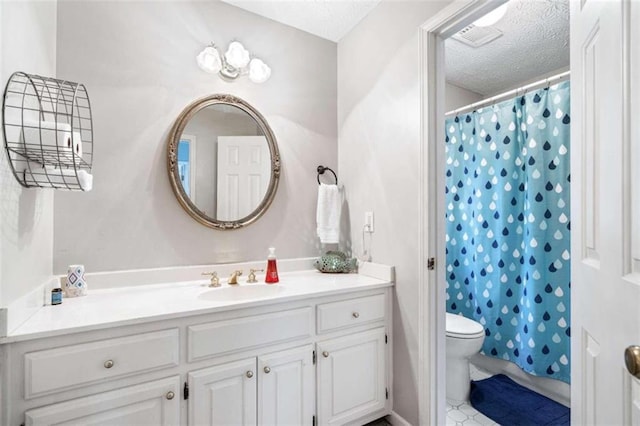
(535, 42)
(329, 19)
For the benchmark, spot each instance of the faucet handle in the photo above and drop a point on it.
(252, 275)
(215, 281)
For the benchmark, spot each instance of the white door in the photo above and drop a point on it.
(286, 388)
(154, 404)
(244, 171)
(351, 377)
(224, 395)
(605, 208)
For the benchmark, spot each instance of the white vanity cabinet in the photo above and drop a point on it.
(274, 389)
(155, 403)
(314, 360)
(352, 377)
(69, 367)
(224, 394)
(286, 387)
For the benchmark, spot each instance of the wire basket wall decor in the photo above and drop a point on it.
(48, 132)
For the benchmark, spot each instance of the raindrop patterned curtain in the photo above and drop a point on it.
(508, 229)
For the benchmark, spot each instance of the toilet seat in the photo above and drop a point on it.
(459, 327)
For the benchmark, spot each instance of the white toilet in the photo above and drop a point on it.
(464, 339)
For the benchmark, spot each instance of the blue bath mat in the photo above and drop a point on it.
(508, 403)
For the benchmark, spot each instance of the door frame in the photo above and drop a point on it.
(432, 282)
(191, 139)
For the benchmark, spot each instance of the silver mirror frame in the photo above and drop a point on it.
(172, 161)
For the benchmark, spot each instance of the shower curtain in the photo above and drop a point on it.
(508, 229)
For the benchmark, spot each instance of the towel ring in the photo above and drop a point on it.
(322, 169)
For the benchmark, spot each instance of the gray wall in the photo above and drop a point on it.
(27, 43)
(137, 60)
(379, 161)
(456, 97)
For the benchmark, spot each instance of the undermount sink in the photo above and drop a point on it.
(243, 292)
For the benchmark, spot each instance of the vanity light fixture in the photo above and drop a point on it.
(235, 62)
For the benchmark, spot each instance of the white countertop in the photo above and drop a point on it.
(121, 306)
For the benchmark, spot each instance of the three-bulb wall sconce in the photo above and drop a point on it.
(235, 62)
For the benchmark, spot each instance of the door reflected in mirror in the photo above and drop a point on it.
(231, 170)
(226, 164)
(243, 175)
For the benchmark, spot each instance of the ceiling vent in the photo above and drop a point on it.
(477, 36)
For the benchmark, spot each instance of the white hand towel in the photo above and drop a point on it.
(328, 213)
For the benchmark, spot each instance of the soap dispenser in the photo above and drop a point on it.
(272, 268)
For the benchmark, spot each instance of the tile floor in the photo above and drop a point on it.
(458, 413)
(462, 413)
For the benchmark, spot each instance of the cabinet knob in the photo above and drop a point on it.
(267, 370)
(249, 374)
(325, 354)
(170, 395)
(108, 363)
(632, 360)
(355, 315)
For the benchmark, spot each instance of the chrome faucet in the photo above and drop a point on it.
(215, 281)
(233, 279)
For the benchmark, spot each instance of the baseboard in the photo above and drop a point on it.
(397, 420)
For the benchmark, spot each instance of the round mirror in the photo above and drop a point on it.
(224, 164)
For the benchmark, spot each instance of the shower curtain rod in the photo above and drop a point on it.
(494, 99)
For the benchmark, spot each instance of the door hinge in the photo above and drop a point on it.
(386, 391)
(185, 391)
(431, 263)
(386, 339)
(314, 421)
(314, 357)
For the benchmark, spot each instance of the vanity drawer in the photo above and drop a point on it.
(221, 337)
(69, 367)
(347, 313)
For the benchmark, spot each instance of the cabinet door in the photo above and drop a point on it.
(224, 395)
(154, 403)
(351, 377)
(286, 386)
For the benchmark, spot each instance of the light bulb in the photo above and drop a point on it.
(209, 60)
(237, 56)
(492, 17)
(259, 72)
